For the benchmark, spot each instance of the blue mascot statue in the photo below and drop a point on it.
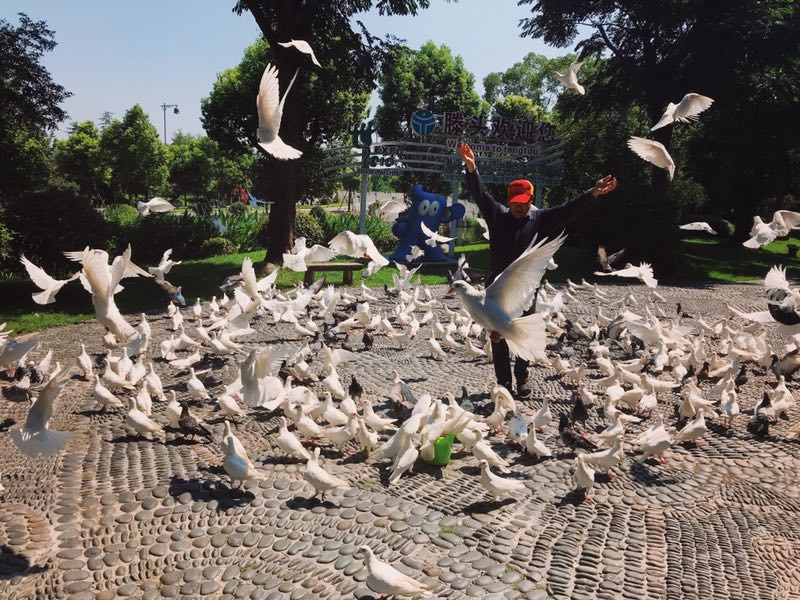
(427, 208)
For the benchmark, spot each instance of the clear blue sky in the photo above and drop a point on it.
(112, 54)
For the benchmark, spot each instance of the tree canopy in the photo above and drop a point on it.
(347, 51)
(30, 102)
(431, 78)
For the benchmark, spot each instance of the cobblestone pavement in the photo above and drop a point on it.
(114, 515)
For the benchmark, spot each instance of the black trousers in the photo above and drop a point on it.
(502, 359)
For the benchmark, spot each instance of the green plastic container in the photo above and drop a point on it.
(442, 449)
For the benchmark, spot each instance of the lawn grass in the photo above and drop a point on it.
(702, 259)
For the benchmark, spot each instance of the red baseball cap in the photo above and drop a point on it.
(520, 190)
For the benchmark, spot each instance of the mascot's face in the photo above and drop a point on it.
(430, 208)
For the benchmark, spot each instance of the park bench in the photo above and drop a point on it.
(346, 268)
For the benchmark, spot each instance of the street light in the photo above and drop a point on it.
(175, 110)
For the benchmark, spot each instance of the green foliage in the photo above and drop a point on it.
(215, 246)
(133, 154)
(531, 78)
(121, 215)
(30, 104)
(516, 107)
(47, 223)
(307, 225)
(659, 51)
(472, 233)
(78, 158)
(243, 225)
(6, 237)
(431, 77)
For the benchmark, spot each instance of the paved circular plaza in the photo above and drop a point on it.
(115, 515)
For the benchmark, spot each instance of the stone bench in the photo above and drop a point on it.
(346, 268)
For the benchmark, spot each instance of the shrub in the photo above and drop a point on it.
(307, 225)
(237, 208)
(242, 226)
(473, 232)
(5, 239)
(216, 245)
(150, 236)
(122, 215)
(45, 224)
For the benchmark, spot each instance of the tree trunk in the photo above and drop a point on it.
(284, 188)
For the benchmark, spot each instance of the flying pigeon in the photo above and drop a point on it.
(154, 205)
(270, 111)
(499, 307)
(763, 233)
(303, 47)
(698, 226)
(653, 152)
(570, 79)
(685, 111)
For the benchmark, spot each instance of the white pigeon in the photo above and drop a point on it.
(384, 579)
(499, 307)
(583, 476)
(35, 437)
(270, 112)
(154, 205)
(570, 79)
(49, 286)
(196, 387)
(140, 422)
(173, 410)
(320, 479)
(497, 486)
(299, 256)
(85, 363)
(164, 266)
(287, 442)
(104, 396)
(763, 233)
(653, 152)
(303, 47)
(685, 111)
(433, 238)
(236, 462)
(698, 226)
(533, 445)
(644, 273)
(351, 244)
(102, 281)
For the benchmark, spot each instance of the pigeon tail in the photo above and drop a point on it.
(526, 337)
(45, 441)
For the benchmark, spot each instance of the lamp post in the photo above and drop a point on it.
(175, 110)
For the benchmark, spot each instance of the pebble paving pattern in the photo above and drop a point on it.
(115, 515)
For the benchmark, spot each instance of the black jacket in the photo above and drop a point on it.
(509, 236)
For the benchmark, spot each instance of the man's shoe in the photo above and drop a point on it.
(523, 391)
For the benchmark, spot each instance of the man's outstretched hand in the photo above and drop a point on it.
(604, 185)
(466, 154)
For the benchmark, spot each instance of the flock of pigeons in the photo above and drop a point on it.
(639, 353)
(622, 364)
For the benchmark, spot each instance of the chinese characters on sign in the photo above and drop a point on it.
(499, 128)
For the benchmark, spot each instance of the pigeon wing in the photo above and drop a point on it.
(790, 218)
(432, 235)
(651, 151)
(513, 289)
(268, 105)
(690, 106)
(38, 275)
(319, 253)
(346, 244)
